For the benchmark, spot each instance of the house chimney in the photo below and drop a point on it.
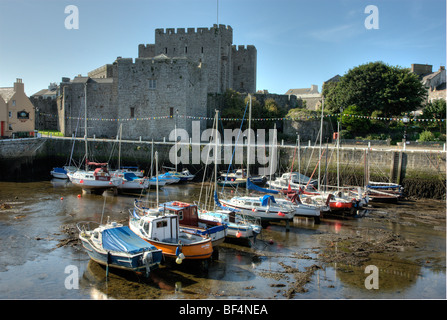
(19, 86)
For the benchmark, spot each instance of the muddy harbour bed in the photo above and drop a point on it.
(403, 243)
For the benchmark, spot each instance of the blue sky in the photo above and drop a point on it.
(299, 43)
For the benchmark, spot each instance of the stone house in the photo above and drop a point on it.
(16, 112)
(310, 95)
(435, 82)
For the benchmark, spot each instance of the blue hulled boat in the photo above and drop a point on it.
(117, 246)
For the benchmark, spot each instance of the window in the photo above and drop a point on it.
(171, 112)
(186, 49)
(13, 103)
(162, 224)
(180, 215)
(202, 49)
(166, 50)
(10, 114)
(152, 83)
(132, 112)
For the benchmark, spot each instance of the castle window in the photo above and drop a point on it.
(152, 83)
(238, 68)
(166, 50)
(171, 112)
(202, 49)
(186, 49)
(132, 112)
(242, 84)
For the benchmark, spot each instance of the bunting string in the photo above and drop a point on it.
(414, 119)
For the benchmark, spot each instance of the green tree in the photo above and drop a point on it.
(376, 86)
(436, 110)
(356, 125)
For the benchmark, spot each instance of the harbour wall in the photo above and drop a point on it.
(422, 172)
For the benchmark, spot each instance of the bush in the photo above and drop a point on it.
(426, 136)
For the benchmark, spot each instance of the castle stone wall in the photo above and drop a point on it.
(158, 87)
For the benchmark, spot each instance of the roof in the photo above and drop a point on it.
(6, 93)
(305, 91)
(45, 92)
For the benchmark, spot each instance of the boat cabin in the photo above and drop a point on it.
(162, 228)
(186, 212)
(101, 174)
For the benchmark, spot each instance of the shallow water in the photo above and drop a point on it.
(32, 266)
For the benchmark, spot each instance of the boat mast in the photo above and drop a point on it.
(321, 142)
(248, 141)
(215, 153)
(85, 125)
(119, 147)
(338, 156)
(156, 173)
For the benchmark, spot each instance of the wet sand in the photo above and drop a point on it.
(405, 241)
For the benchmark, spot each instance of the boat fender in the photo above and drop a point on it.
(147, 260)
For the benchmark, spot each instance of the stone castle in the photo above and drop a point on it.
(172, 77)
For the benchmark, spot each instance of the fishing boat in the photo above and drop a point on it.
(163, 231)
(190, 221)
(116, 246)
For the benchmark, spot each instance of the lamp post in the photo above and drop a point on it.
(405, 120)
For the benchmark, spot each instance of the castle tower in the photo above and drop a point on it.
(213, 48)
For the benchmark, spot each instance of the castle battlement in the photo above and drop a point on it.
(211, 30)
(242, 48)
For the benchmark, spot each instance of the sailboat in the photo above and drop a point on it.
(97, 180)
(338, 200)
(238, 177)
(239, 226)
(265, 208)
(129, 180)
